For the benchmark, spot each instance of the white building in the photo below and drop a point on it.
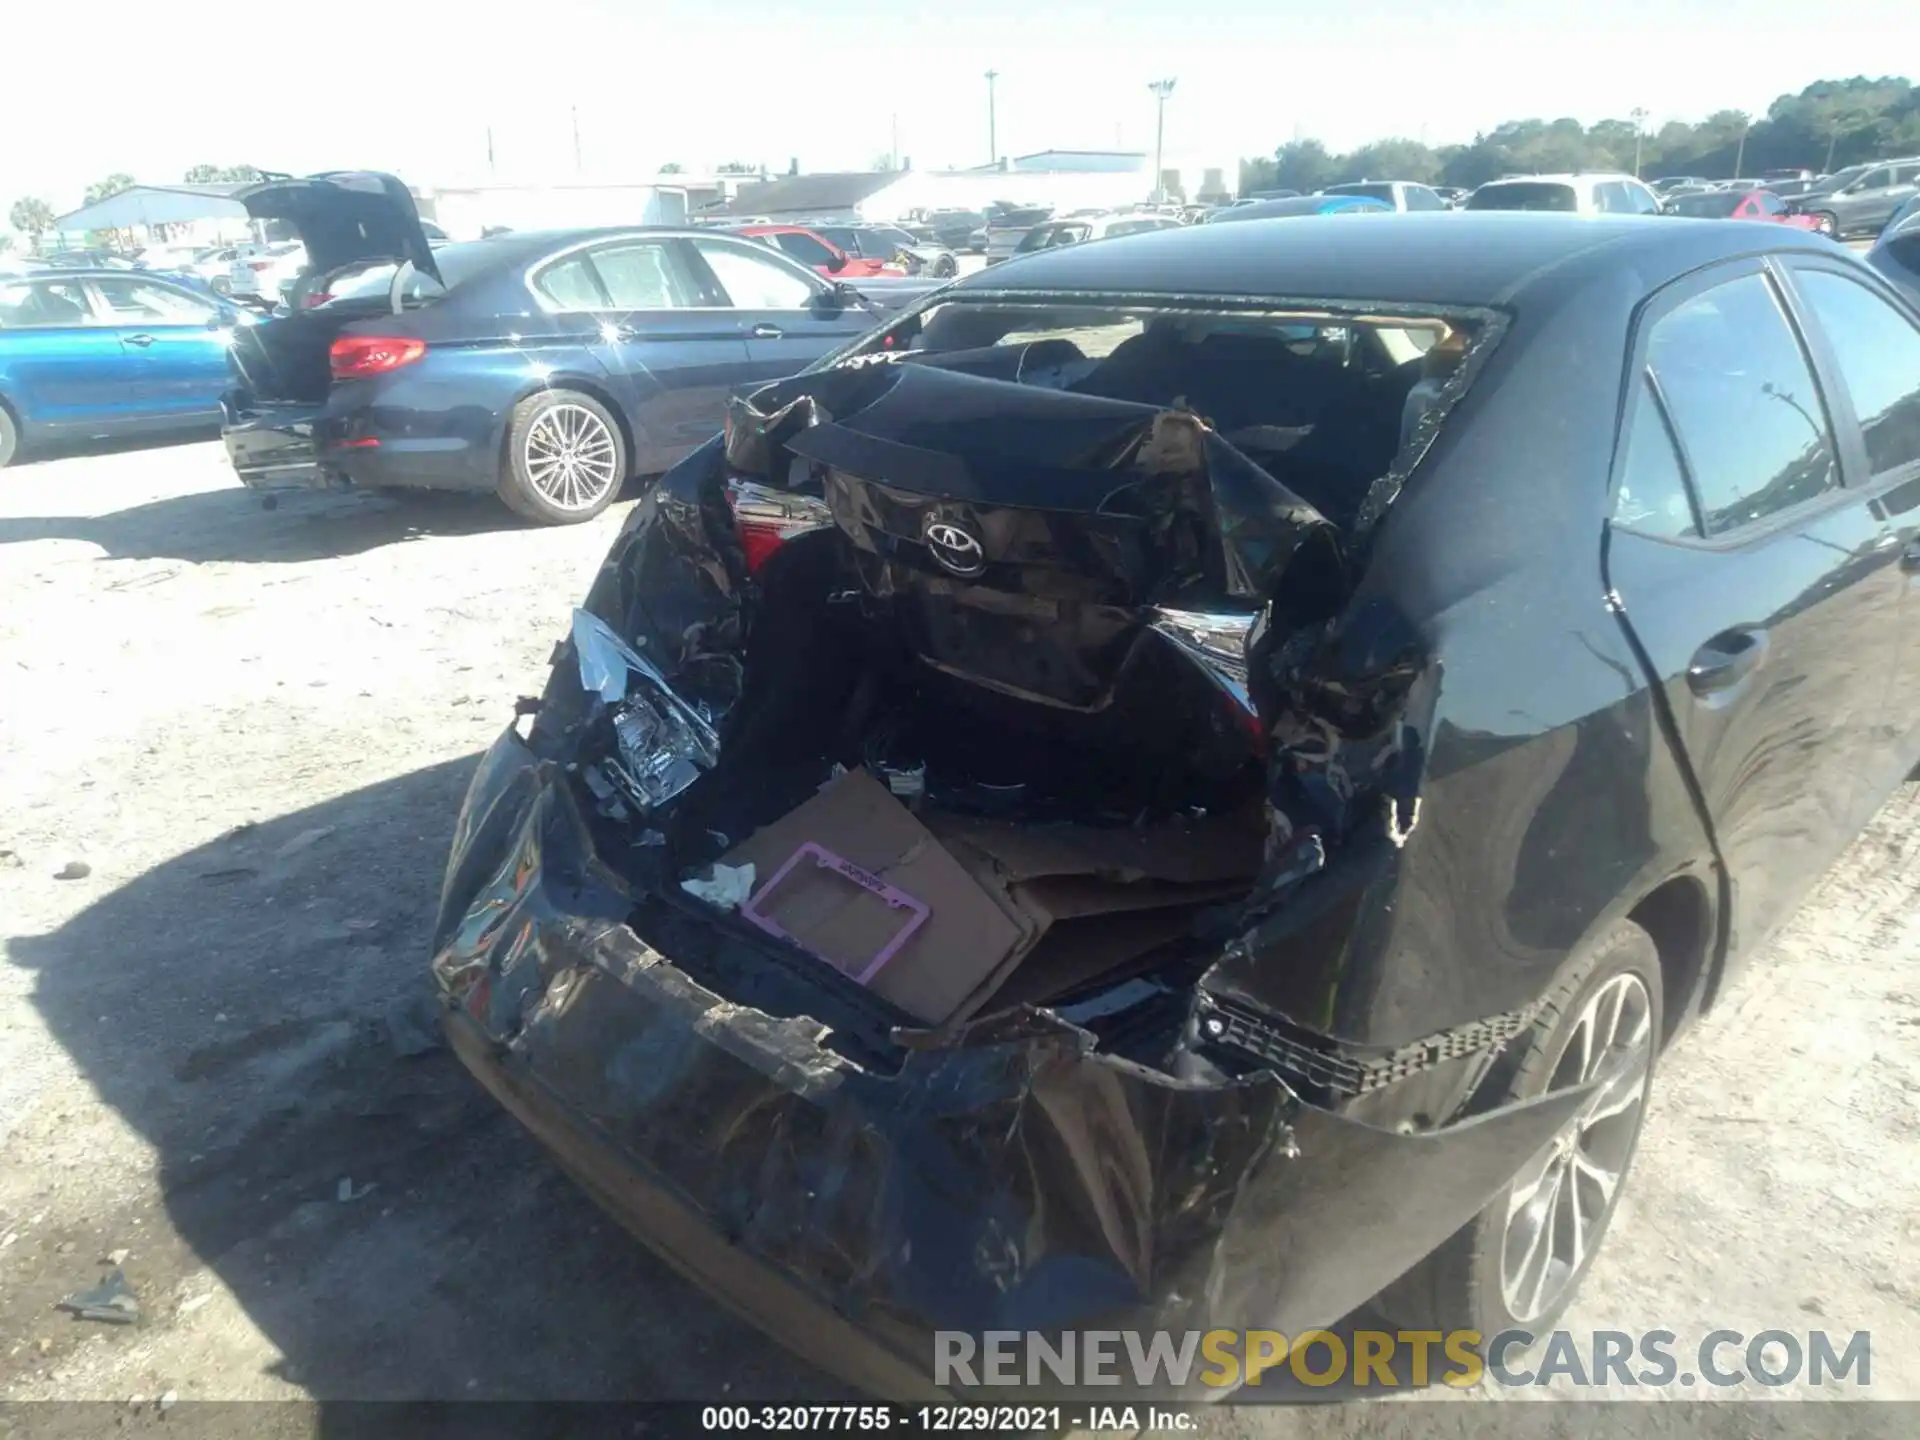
(1064, 179)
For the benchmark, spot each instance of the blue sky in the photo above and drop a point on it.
(307, 87)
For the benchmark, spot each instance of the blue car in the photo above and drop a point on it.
(546, 368)
(1896, 254)
(1302, 205)
(88, 354)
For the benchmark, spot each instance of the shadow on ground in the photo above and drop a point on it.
(233, 525)
(37, 452)
(238, 1006)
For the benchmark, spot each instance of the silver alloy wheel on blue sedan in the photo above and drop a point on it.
(569, 453)
(566, 458)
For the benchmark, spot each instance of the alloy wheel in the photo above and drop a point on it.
(1560, 1201)
(570, 456)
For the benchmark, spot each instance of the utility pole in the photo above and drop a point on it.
(993, 142)
(1639, 118)
(576, 138)
(1740, 152)
(1161, 89)
(490, 164)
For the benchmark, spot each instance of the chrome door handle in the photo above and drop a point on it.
(766, 332)
(142, 340)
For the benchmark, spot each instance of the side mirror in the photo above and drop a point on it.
(837, 264)
(225, 318)
(844, 296)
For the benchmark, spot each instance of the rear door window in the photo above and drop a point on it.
(1744, 403)
(571, 285)
(1652, 497)
(644, 275)
(43, 304)
(1878, 351)
(127, 301)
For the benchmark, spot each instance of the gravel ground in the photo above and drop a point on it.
(253, 728)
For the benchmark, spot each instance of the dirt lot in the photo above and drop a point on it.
(254, 729)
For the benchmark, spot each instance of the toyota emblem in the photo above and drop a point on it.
(955, 548)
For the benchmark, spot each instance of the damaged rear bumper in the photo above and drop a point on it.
(1017, 1181)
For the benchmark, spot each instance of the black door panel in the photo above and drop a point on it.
(1758, 586)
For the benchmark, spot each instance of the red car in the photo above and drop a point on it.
(815, 250)
(1738, 205)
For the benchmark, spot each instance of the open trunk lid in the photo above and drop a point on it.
(343, 216)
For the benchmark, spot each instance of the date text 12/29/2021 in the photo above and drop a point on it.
(937, 1419)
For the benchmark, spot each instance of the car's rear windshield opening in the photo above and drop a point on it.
(1520, 195)
(1322, 401)
(1714, 205)
(373, 279)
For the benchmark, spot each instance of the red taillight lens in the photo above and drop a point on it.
(258, 264)
(354, 357)
(760, 541)
(767, 518)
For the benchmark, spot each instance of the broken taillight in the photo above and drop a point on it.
(1217, 642)
(353, 357)
(767, 518)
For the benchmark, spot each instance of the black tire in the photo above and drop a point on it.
(1827, 222)
(9, 436)
(1460, 1286)
(945, 268)
(536, 417)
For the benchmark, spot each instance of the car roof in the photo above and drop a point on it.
(1580, 177)
(92, 272)
(1462, 257)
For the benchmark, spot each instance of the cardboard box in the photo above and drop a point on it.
(1000, 897)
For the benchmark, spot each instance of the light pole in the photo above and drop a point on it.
(1639, 118)
(993, 142)
(1161, 89)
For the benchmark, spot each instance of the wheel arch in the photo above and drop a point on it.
(594, 387)
(1680, 915)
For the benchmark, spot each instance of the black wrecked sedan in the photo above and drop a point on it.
(1188, 782)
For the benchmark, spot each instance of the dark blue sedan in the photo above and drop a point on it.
(88, 354)
(545, 367)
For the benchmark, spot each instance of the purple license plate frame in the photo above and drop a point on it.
(825, 859)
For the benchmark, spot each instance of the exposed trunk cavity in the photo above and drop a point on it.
(947, 688)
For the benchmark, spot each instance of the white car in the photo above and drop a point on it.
(1594, 194)
(1077, 229)
(265, 272)
(1400, 194)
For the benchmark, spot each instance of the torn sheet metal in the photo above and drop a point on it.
(1018, 1180)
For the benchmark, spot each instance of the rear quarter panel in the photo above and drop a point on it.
(1551, 800)
(488, 348)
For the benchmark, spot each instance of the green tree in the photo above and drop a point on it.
(735, 167)
(1830, 123)
(1394, 159)
(673, 167)
(31, 217)
(1304, 165)
(112, 185)
(201, 174)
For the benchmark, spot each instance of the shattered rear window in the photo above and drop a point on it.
(1324, 402)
